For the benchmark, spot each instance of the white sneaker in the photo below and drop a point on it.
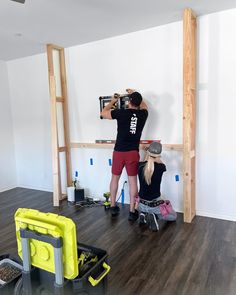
(152, 222)
(142, 219)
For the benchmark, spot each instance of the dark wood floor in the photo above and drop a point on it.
(197, 258)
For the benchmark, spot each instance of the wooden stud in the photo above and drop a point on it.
(60, 99)
(63, 197)
(65, 117)
(54, 46)
(189, 121)
(55, 153)
(63, 99)
(173, 147)
(62, 149)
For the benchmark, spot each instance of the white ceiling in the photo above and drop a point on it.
(26, 28)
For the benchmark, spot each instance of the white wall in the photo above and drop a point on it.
(7, 155)
(150, 61)
(216, 142)
(28, 80)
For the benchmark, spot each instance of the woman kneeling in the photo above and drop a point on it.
(151, 206)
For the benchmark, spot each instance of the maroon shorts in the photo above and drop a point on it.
(129, 160)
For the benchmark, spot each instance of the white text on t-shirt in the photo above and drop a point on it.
(133, 124)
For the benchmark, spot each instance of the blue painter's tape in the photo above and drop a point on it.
(122, 196)
(76, 173)
(176, 177)
(91, 161)
(110, 162)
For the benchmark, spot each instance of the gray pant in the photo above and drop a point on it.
(172, 216)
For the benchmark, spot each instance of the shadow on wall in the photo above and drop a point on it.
(160, 121)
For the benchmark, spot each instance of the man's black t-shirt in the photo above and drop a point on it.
(152, 191)
(130, 123)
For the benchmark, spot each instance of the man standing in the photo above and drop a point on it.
(130, 123)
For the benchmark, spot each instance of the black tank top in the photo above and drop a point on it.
(152, 191)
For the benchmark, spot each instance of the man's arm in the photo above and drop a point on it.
(106, 112)
(143, 105)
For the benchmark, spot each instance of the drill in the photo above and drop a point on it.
(107, 203)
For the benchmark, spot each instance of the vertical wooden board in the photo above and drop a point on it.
(55, 155)
(66, 118)
(193, 51)
(189, 124)
(57, 71)
(187, 188)
(186, 113)
(50, 62)
(56, 67)
(193, 184)
(60, 124)
(193, 120)
(62, 159)
(186, 51)
(193, 80)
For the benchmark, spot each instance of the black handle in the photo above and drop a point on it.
(55, 242)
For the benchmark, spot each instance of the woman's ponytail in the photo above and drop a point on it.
(148, 169)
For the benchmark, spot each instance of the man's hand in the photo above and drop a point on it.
(106, 112)
(143, 105)
(115, 98)
(129, 90)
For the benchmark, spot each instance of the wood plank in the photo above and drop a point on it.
(193, 184)
(54, 134)
(50, 61)
(192, 154)
(63, 197)
(63, 99)
(66, 118)
(186, 118)
(54, 46)
(60, 99)
(92, 145)
(189, 120)
(62, 149)
(173, 147)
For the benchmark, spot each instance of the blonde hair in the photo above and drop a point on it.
(149, 166)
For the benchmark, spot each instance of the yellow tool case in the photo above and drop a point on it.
(42, 253)
(53, 262)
